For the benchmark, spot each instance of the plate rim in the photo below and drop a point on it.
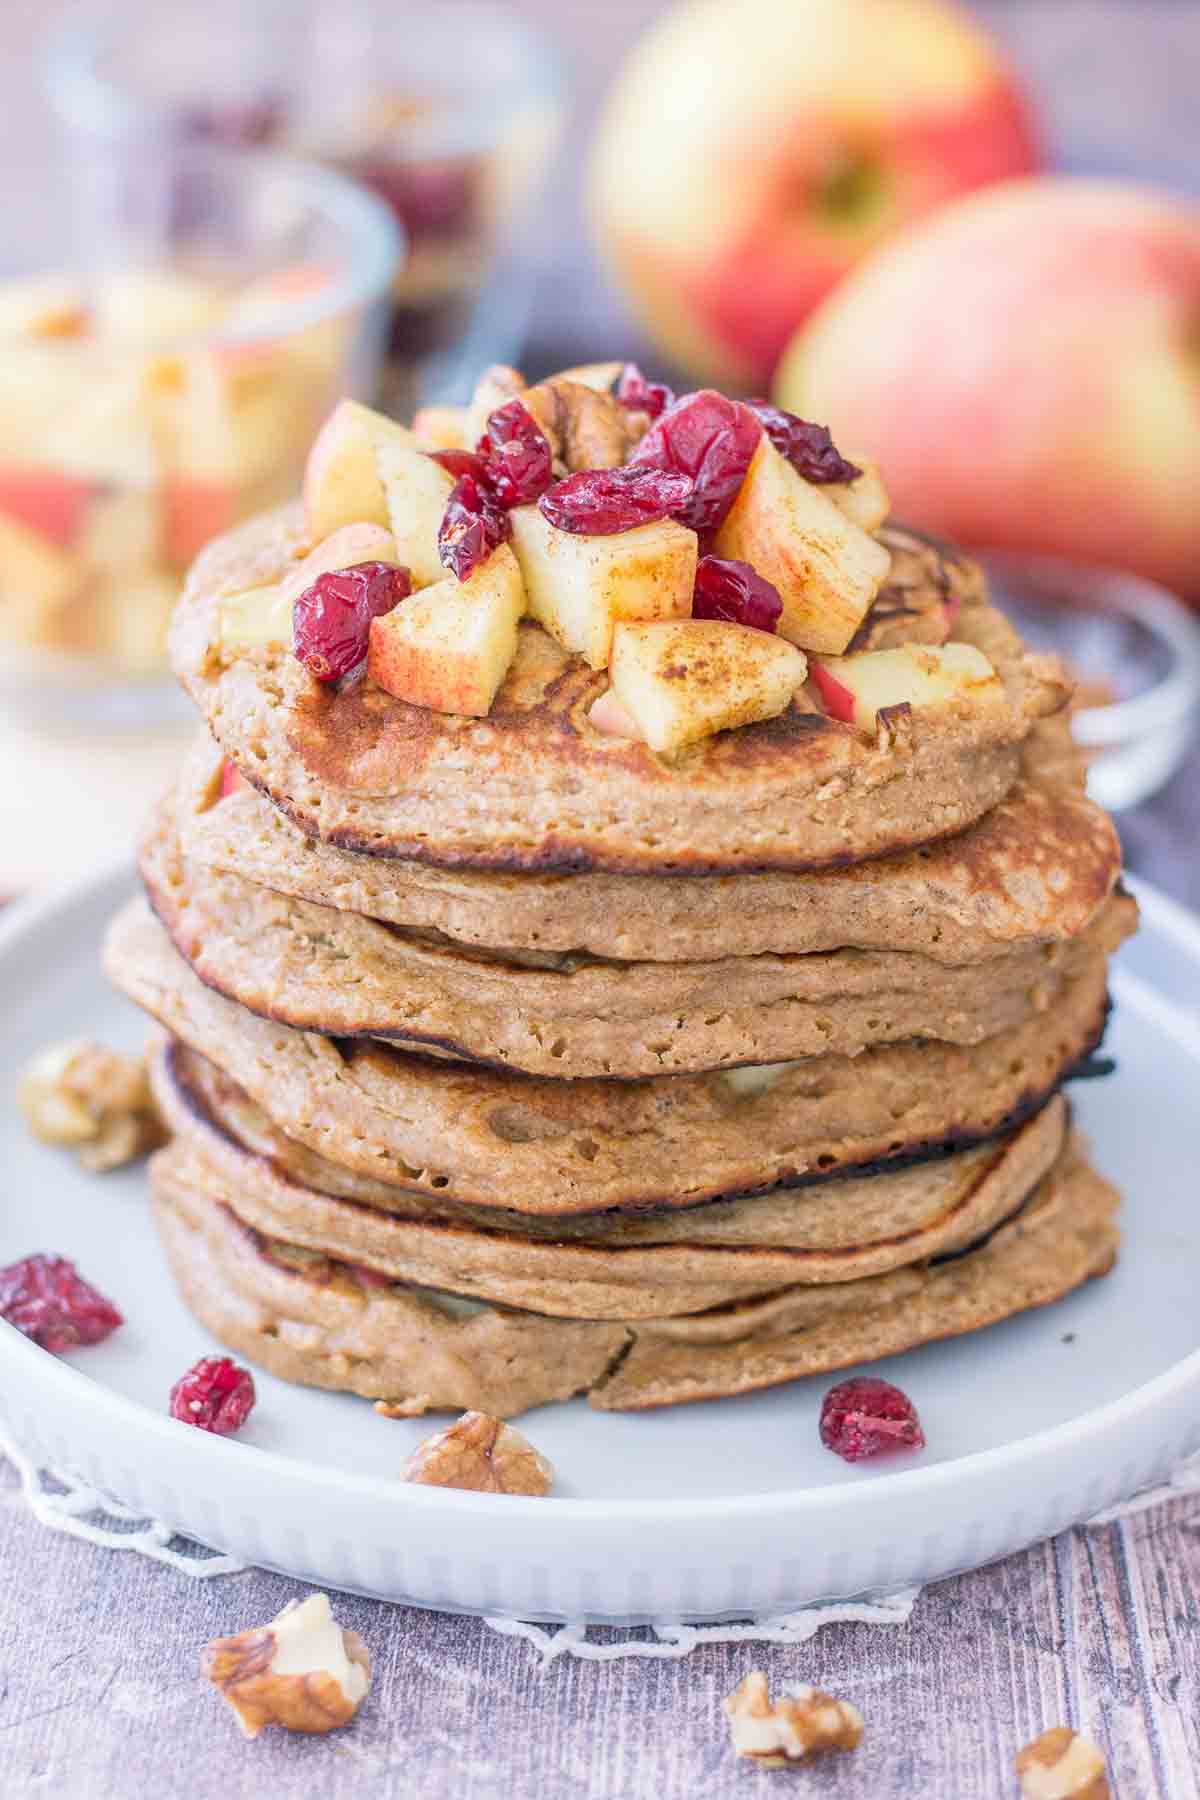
(76, 1386)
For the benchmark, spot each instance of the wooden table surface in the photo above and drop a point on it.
(99, 1698)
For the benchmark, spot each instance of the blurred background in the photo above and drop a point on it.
(966, 237)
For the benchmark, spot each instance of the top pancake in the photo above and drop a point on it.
(533, 786)
(1037, 870)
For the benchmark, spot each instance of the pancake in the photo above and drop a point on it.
(1037, 869)
(318, 969)
(419, 1350)
(624, 1268)
(535, 786)
(526, 1145)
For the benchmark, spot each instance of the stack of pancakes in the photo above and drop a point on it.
(507, 1061)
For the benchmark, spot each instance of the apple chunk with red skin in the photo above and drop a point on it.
(579, 587)
(681, 680)
(827, 569)
(342, 482)
(450, 646)
(416, 489)
(855, 689)
(261, 617)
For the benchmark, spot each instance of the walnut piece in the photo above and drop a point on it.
(480, 1453)
(803, 1723)
(93, 1100)
(585, 428)
(1061, 1765)
(302, 1671)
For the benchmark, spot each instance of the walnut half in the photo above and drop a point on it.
(1061, 1765)
(480, 1453)
(92, 1100)
(803, 1723)
(302, 1671)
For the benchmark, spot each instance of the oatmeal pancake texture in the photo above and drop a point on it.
(620, 1266)
(318, 969)
(1036, 869)
(535, 786)
(555, 1148)
(419, 1349)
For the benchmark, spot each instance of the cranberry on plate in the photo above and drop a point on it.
(726, 589)
(866, 1417)
(47, 1298)
(215, 1395)
(711, 440)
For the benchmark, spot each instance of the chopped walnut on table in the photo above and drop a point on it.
(1061, 1765)
(302, 1671)
(480, 1453)
(804, 1722)
(92, 1100)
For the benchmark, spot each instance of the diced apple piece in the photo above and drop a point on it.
(450, 646)
(36, 576)
(50, 503)
(683, 680)
(441, 427)
(193, 513)
(122, 529)
(579, 587)
(600, 376)
(342, 482)
(342, 549)
(496, 387)
(865, 500)
(856, 688)
(417, 489)
(258, 618)
(261, 617)
(608, 716)
(826, 568)
(145, 304)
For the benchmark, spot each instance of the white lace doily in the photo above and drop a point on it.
(67, 1504)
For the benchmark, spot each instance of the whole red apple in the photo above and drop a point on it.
(754, 150)
(1025, 370)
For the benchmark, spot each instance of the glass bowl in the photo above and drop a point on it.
(449, 113)
(173, 329)
(1135, 650)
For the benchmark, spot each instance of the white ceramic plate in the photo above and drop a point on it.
(717, 1510)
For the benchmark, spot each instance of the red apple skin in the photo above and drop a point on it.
(48, 502)
(194, 512)
(231, 779)
(717, 215)
(836, 697)
(1024, 369)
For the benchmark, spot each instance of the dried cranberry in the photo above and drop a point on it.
(215, 1395)
(735, 591)
(809, 448)
(599, 502)
(517, 453)
(47, 1299)
(473, 524)
(710, 439)
(865, 1417)
(460, 462)
(331, 620)
(640, 395)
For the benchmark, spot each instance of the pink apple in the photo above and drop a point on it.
(751, 154)
(836, 697)
(1024, 369)
(46, 500)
